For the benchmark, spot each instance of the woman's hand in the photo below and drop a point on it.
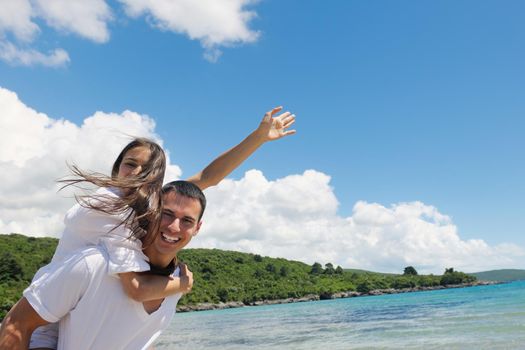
(186, 279)
(273, 128)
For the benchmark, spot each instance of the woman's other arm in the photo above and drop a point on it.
(142, 286)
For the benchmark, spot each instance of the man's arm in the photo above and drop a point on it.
(49, 298)
(18, 325)
(271, 128)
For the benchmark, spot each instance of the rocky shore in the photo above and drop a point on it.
(314, 297)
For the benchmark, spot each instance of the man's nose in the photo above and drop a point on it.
(175, 225)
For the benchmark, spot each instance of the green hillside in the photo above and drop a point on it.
(500, 275)
(222, 276)
(20, 257)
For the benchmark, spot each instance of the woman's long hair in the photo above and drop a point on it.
(141, 192)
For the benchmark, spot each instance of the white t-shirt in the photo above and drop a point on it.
(85, 227)
(91, 307)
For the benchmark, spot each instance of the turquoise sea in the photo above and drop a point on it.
(484, 317)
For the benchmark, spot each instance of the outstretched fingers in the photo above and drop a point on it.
(268, 115)
(283, 122)
(275, 110)
(274, 127)
(288, 120)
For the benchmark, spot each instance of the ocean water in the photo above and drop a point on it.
(483, 317)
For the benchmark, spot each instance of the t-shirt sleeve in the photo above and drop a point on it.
(59, 288)
(125, 254)
(124, 251)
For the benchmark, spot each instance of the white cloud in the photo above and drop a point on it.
(29, 57)
(15, 17)
(34, 149)
(88, 19)
(294, 217)
(214, 23)
(212, 55)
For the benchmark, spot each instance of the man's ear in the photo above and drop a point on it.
(198, 228)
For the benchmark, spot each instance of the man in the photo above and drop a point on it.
(90, 305)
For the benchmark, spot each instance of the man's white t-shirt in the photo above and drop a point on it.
(91, 306)
(85, 227)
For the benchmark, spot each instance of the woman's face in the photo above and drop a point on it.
(133, 161)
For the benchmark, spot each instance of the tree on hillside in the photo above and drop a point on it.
(10, 269)
(223, 295)
(410, 271)
(364, 287)
(455, 277)
(339, 270)
(329, 269)
(284, 271)
(317, 269)
(403, 282)
(271, 268)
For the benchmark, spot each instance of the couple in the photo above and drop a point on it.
(100, 295)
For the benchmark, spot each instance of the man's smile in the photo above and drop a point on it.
(168, 239)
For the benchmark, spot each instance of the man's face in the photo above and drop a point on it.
(179, 225)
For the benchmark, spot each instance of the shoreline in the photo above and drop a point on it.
(317, 297)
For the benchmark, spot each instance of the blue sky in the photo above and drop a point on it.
(396, 101)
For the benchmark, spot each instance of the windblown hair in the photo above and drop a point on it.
(141, 192)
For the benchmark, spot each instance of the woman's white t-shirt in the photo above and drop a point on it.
(85, 227)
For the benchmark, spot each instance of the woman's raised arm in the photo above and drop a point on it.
(271, 128)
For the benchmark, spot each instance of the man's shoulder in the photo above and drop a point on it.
(91, 257)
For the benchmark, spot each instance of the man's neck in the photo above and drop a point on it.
(163, 271)
(160, 262)
(157, 259)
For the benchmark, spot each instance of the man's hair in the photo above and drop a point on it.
(186, 189)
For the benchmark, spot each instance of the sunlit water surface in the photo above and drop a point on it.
(484, 317)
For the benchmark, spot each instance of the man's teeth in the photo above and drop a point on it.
(170, 240)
